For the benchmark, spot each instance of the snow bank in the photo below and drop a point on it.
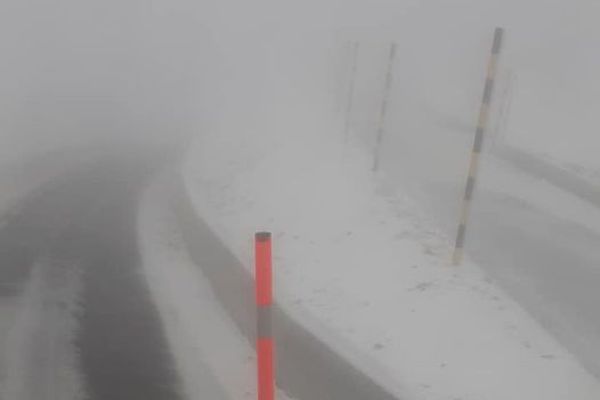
(368, 264)
(212, 357)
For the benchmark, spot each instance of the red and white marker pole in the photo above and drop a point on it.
(264, 299)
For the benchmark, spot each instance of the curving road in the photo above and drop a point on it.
(87, 327)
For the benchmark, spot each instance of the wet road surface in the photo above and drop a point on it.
(87, 220)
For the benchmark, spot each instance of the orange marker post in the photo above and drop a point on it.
(264, 300)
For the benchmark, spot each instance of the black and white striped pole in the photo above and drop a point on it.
(477, 147)
(384, 107)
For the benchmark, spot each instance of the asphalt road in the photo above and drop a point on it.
(86, 220)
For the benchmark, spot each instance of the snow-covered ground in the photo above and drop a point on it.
(369, 263)
(443, 48)
(364, 257)
(500, 177)
(213, 358)
(537, 239)
(439, 185)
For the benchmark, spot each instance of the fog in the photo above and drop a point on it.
(81, 72)
(272, 110)
(77, 71)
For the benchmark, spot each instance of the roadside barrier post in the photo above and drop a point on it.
(264, 300)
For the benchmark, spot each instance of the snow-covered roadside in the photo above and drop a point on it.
(373, 268)
(500, 177)
(590, 174)
(438, 179)
(212, 357)
(39, 359)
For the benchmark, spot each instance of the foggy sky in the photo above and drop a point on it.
(77, 71)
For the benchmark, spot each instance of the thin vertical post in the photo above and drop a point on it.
(477, 147)
(264, 299)
(384, 107)
(350, 101)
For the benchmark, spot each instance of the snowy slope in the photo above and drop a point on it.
(269, 156)
(374, 269)
(213, 359)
